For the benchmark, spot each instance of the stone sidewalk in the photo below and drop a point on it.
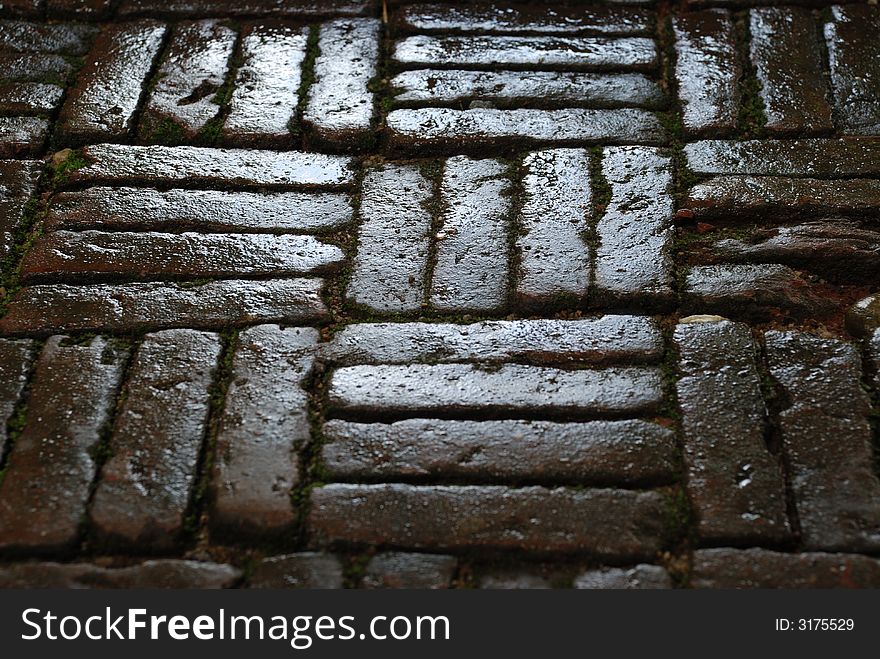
(465, 294)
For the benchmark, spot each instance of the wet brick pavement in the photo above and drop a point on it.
(439, 294)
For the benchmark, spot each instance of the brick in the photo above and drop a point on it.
(554, 257)
(759, 198)
(67, 38)
(815, 158)
(620, 523)
(497, 18)
(632, 453)
(146, 484)
(136, 307)
(50, 470)
(464, 389)
(471, 271)
(302, 570)
(834, 483)
(854, 59)
(287, 8)
(863, 321)
(148, 209)
(392, 256)
(602, 340)
(339, 110)
(483, 129)
(15, 361)
(407, 570)
(839, 251)
(707, 71)
(163, 573)
(510, 580)
(640, 577)
(264, 422)
(735, 485)
(21, 137)
(759, 568)
(633, 263)
(103, 104)
(508, 89)
(33, 67)
(182, 100)
(264, 97)
(29, 97)
(24, 8)
(192, 166)
(67, 256)
(593, 53)
(18, 181)
(788, 62)
(758, 292)
(85, 9)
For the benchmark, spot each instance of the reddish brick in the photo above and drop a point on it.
(146, 484)
(68, 38)
(33, 67)
(854, 58)
(620, 523)
(134, 307)
(29, 97)
(87, 9)
(15, 360)
(21, 137)
(51, 467)
(167, 573)
(264, 422)
(288, 8)
(18, 181)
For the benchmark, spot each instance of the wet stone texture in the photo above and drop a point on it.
(438, 294)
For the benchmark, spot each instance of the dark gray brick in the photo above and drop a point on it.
(15, 361)
(264, 421)
(23, 36)
(29, 97)
(396, 569)
(634, 578)
(146, 484)
(620, 523)
(287, 8)
(163, 573)
(33, 67)
(133, 307)
(735, 485)
(597, 453)
(471, 270)
(828, 440)
(21, 137)
(18, 181)
(50, 470)
(302, 570)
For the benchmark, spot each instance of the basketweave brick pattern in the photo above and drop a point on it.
(364, 294)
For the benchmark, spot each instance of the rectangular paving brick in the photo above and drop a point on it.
(608, 339)
(264, 422)
(500, 18)
(633, 263)
(815, 158)
(81, 9)
(770, 198)
(707, 71)
(103, 104)
(287, 8)
(264, 96)
(134, 209)
(182, 98)
(639, 577)
(29, 97)
(546, 89)
(33, 67)
(146, 484)
(619, 523)
(28, 37)
(735, 485)
(21, 137)
(133, 307)
(192, 166)
(786, 55)
(339, 110)
(18, 181)
(592, 53)
(760, 568)
(394, 569)
(554, 257)
(15, 360)
(630, 453)
(162, 573)
(24, 8)
(497, 391)
(305, 569)
(67, 256)
(854, 58)
(45, 490)
(835, 486)
(392, 255)
(471, 271)
(481, 129)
